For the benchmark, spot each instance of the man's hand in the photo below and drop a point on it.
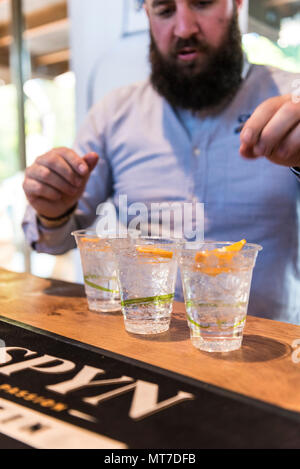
(273, 131)
(56, 181)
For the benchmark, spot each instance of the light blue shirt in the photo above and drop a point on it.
(152, 153)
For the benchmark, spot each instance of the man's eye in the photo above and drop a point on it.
(202, 3)
(165, 12)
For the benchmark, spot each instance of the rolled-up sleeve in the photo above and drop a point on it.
(48, 240)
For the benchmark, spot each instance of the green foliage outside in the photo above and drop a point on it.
(261, 50)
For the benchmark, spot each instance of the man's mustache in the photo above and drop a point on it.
(190, 43)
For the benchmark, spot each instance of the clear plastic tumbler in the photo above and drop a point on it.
(99, 271)
(147, 269)
(216, 285)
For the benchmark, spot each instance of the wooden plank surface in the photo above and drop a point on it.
(264, 368)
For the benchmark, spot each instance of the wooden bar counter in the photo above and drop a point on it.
(266, 368)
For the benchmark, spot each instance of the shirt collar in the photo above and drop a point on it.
(246, 67)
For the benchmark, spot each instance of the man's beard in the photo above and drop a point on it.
(194, 86)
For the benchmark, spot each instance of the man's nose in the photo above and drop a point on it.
(185, 23)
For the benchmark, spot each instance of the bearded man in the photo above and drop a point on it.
(206, 127)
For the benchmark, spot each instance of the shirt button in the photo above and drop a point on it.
(197, 151)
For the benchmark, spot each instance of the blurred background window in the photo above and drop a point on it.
(49, 113)
(274, 33)
(108, 42)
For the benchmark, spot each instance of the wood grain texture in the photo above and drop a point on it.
(262, 369)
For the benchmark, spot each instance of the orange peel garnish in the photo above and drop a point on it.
(90, 240)
(95, 241)
(223, 257)
(213, 271)
(155, 251)
(226, 252)
(235, 247)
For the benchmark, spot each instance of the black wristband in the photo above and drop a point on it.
(64, 215)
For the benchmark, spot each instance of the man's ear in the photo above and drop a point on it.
(239, 3)
(146, 7)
